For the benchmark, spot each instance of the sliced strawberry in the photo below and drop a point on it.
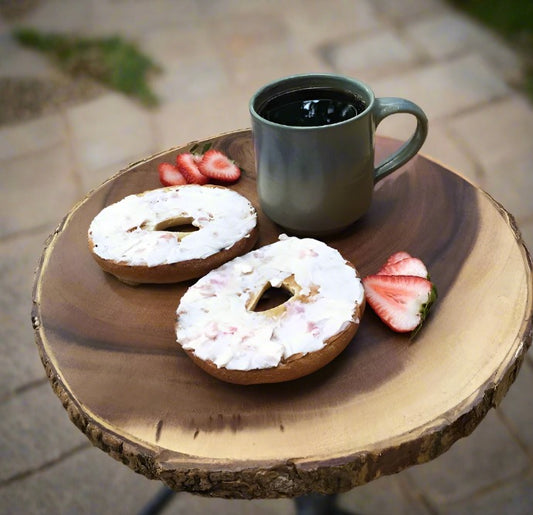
(407, 266)
(187, 164)
(397, 256)
(402, 302)
(169, 175)
(218, 166)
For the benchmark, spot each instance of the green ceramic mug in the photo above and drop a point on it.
(314, 149)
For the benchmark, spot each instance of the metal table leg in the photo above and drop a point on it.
(158, 502)
(313, 504)
(316, 504)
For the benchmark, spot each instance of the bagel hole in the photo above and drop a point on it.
(271, 298)
(182, 228)
(183, 225)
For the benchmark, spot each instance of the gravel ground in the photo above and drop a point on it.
(24, 98)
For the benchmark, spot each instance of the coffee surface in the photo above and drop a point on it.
(312, 107)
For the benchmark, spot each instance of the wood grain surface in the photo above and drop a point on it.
(384, 404)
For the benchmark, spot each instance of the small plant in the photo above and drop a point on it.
(111, 61)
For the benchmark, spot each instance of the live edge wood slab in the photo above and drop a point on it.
(384, 404)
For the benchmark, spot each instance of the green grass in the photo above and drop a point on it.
(111, 61)
(513, 19)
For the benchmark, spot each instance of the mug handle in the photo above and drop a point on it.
(386, 106)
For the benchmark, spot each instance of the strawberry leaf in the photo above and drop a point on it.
(425, 312)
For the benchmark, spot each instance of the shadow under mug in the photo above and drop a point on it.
(319, 179)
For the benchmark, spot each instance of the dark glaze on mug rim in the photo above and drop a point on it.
(306, 81)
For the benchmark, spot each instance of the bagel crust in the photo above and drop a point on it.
(218, 328)
(132, 239)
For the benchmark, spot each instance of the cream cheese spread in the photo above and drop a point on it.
(215, 322)
(132, 231)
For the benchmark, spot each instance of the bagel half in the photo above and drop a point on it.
(215, 325)
(132, 239)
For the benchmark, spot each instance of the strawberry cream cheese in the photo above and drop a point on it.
(216, 320)
(132, 231)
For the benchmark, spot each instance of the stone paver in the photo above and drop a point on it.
(449, 34)
(513, 497)
(19, 360)
(526, 228)
(250, 71)
(194, 505)
(381, 53)
(70, 487)
(32, 137)
(205, 118)
(504, 152)
(385, 495)
(447, 88)
(208, 77)
(256, 48)
(134, 21)
(27, 207)
(214, 56)
(516, 408)
(409, 10)
(506, 126)
(441, 144)
(37, 430)
(509, 180)
(192, 67)
(315, 22)
(125, 136)
(55, 16)
(444, 35)
(472, 464)
(17, 62)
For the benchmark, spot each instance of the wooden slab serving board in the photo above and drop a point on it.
(384, 404)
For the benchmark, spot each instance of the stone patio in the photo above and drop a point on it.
(215, 55)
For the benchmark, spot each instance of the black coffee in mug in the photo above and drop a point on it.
(312, 107)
